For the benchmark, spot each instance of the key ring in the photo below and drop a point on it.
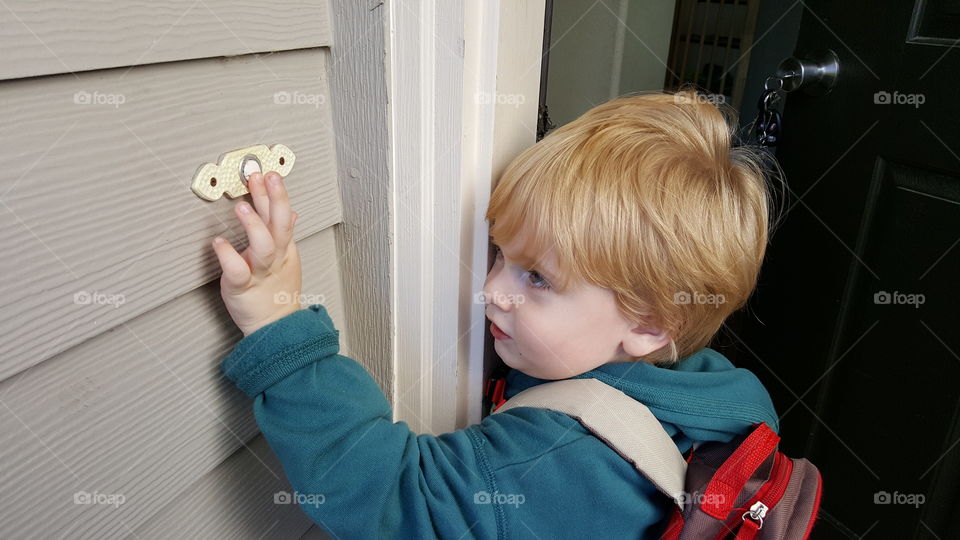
(770, 98)
(766, 83)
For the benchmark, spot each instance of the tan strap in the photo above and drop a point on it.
(623, 423)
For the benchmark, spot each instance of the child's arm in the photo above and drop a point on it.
(355, 472)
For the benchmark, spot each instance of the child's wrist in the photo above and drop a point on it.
(287, 309)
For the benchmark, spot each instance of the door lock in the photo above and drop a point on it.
(816, 74)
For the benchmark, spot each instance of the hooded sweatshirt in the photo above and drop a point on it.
(522, 473)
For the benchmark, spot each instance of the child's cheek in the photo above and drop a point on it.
(531, 340)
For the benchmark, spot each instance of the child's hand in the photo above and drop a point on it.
(262, 284)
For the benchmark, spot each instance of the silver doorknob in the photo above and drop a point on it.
(816, 74)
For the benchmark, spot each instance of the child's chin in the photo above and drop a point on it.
(510, 361)
(532, 371)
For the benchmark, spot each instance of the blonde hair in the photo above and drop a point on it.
(646, 196)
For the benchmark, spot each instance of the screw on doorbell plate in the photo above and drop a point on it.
(229, 175)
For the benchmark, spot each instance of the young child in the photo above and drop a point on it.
(625, 239)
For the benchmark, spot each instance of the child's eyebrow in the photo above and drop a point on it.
(525, 261)
(548, 274)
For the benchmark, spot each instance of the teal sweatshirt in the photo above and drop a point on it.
(523, 473)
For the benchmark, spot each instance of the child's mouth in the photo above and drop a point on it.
(497, 332)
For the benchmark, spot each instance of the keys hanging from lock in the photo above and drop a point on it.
(816, 74)
(769, 121)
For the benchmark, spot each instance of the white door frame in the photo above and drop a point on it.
(463, 81)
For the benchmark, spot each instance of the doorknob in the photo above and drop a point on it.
(816, 74)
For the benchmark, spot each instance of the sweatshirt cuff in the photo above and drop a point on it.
(276, 350)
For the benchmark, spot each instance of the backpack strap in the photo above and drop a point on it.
(623, 423)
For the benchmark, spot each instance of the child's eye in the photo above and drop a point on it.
(537, 278)
(536, 281)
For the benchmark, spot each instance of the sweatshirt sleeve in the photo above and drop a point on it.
(355, 472)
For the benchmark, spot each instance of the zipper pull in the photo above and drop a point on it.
(757, 512)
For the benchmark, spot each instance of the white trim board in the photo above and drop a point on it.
(425, 82)
(450, 137)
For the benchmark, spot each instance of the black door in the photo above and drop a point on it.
(854, 326)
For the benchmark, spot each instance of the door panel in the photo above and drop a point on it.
(854, 324)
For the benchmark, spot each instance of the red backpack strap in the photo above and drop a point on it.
(732, 476)
(674, 525)
(494, 391)
(748, 530)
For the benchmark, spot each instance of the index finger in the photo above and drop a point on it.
(280, 219)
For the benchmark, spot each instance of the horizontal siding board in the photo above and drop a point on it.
(96, 198)
(68, 36)
(235, 500)
(142, 411)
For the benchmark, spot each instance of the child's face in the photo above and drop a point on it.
(556, 335)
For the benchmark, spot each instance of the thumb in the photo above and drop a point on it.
(236, 271)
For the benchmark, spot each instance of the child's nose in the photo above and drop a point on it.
(494, 294)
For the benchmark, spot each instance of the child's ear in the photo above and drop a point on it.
(642, 340)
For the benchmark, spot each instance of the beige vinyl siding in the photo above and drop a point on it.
(235, 500)
(107, 110)
(96, 198)
(64, 36)
(142, 410)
